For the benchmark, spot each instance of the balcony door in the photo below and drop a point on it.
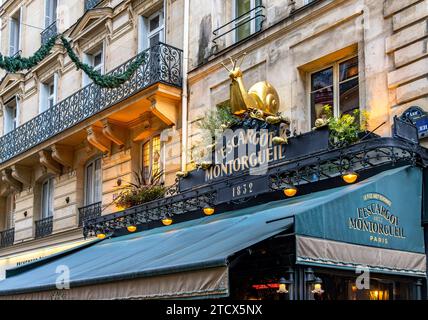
(47, 198)
(152, 30)
(248, 19)
(93, 182)
(10, 115)
(15, 33)
(50, 12)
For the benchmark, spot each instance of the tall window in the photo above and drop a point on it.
(10, 115)
(152, 30)
(10, 211)
(151, 158)
(48, 94)
(337, 86)
(47, 198)
(50, 12)
(96, 60)
(15, 33)
(93, 182)
(248, 18)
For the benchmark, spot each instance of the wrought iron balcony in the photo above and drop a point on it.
(44, 227)
(162, 65)
(89, 212)
(49, 32)
(90, 4)
(7, 238)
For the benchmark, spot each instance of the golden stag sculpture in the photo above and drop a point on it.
(262, 100)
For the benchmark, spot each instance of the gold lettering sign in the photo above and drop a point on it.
(377, 220)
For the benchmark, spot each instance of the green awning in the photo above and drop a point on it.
(191, 259)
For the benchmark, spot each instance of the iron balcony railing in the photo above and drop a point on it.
(49, 32)
(44, 227)
(7, 238)
(90, 4)
(255, 15)
(89, 212)
(162, 65)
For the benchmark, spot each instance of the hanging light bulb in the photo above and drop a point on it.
(350, 177)
(282, 286)
(132, 228)
(167, 221)
(208, 211)
(290, 191)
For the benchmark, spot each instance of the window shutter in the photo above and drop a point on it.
(12, 37)
(143, 38)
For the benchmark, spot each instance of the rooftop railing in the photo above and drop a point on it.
(162, 65)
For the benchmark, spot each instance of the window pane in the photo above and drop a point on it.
(146, 161)
(242, 6)
(349, 69)
(156, 155)
(45, 199)
(349, 96)
(154, 23)
(97, 59)
(322, 79)
(154, 40)
(97, 182)
(51, 198)
(318, 100)
(89, 184)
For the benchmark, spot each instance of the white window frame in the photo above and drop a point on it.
(145, 34)
(89, 58)
(51, 7)
(15, 32)
(10, 211)
(90, 192)
(336, 85)
(252, 16)
(47, 209)
(45, 97)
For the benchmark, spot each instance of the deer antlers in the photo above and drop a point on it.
(235, 62)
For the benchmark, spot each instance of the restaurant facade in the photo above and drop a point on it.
(249, 156)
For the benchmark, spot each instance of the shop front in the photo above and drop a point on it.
(353, 242)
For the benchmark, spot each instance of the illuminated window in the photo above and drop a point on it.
(337, 86)
(151, 158)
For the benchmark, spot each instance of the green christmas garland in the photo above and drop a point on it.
(16, 64)
(105, 81)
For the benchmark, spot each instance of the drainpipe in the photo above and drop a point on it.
(184, 103)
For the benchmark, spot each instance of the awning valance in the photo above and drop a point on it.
(190, 259)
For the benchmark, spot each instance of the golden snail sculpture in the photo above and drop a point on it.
(261, 100)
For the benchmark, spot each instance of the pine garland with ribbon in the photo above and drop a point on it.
(16, 64)
(105, 81)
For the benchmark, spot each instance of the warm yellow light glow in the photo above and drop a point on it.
(167, 221)
(350, 177)
(290, 191)
(282, 288)
(209, 211)
(132, 228)
(101, 236)
(318, 289)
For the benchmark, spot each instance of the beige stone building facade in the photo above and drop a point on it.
(352, 54)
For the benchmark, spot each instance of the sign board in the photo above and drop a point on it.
(419, 118)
